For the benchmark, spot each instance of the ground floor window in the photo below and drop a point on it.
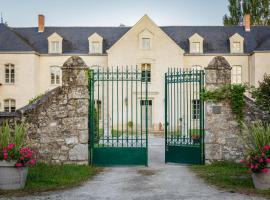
(236, 74)
(9, 105)
(146, 72)
(195, 109)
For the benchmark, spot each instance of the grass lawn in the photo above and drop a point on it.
(228, 176)
(46, 177)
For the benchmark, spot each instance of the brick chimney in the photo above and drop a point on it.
(41, 22)
(247, 22)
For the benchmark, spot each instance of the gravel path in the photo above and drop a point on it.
(156, 182)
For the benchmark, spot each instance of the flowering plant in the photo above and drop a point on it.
(12, 146)
(257, 161)
(23, 156)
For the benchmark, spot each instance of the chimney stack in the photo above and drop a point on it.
(247, 22)
(41, 21)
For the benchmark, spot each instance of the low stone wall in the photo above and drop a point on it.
(57, 123)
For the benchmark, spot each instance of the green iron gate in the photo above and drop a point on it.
(118, 116)
(184, 116)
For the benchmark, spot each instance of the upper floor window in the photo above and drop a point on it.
(95, 44)
(9, 105)
(55, 75)
(236, 74)
(236, 43)
(95, 47)
(236, 47)
(146, 72)
(55, 43)
(55, 47)
(195, 47)
(146, 43)
(9, 73)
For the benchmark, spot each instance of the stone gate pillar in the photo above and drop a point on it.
(75, 85)
(221, 127)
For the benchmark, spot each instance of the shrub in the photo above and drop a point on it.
(262, 94)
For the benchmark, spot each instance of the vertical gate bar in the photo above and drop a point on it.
(103, 109)
(180, 109)
(122, 131)
(184, 106)
(131, 102)
(166, 122)
(171, 109)
(112, 107)
(117, 105)
(108, 96)
(141, 101)
(98, 109)
(92, 117)
(202, 115)
(174, 103)
(193, 102)
(177, 106)
(127, 137)
(146, 123)
(168, 100)
(136, 106)
(189, 116)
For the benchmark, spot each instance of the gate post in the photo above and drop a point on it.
(219, 120)
(75, 86)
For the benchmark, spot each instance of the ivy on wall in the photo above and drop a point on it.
(234, 93)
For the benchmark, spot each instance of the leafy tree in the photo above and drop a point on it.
(259, 11)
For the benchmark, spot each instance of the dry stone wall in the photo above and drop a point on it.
(58, 121)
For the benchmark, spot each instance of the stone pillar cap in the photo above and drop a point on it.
(219, 63)
(74, 62)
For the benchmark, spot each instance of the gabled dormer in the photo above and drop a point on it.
(55, 43)
(236, 43)
(95, 44)
(146, 40)
(196, 43)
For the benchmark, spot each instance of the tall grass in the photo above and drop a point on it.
(19, 135)
(4, 135)
(256, 136)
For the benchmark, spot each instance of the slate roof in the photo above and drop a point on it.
(75, 39)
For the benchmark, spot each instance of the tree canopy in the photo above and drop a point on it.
(259, 11)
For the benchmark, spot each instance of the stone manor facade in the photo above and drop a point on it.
(31, 58)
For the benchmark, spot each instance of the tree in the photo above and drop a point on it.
(259, 11)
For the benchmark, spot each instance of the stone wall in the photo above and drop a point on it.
(58, 121)
(222, 141)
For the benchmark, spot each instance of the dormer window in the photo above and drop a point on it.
(236, 43)
(55, 47)
(236, 47)
(195, 47)
(55, 43)
(95, 47)
(146, 43)
(95, 44)
(196, 43)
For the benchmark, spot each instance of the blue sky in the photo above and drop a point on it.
(113, 12)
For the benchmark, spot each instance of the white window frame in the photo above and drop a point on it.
(55, 75)
(95, 47)
(196, 104)
(55, 46)
(195, 47)
(236, 49)
(146, 72)
(146, 43)
(9, 105)
(9, 73)
(236, 74)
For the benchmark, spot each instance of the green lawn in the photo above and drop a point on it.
(45, 177)
(228, 176)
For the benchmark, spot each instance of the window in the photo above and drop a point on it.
(143, 102)
(55, 75)
(195, 109)
(236, 76)
(146, 43)
(146, 72)
(236, 47)
(9, 105)
(195, 47)
(55, 47)
(197, 67)
(9, 73)
(95, 47)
